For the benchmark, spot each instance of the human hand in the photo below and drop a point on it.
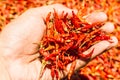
(17, 48)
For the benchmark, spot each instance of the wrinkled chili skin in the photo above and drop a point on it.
(65, 41)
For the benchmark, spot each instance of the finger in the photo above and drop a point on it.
(96, 17)
(102, 46)
(108, 27)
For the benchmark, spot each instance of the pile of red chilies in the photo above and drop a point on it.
(66, 39)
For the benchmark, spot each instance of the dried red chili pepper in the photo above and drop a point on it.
(111, 7)
(75, 20)
(58, 23)
(64, 46)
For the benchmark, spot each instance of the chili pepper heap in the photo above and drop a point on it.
(65, 41)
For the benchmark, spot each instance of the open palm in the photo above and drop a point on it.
(19, 39)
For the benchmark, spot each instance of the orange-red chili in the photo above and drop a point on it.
(69, 38)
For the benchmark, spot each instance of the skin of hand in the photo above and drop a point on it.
(18, 48)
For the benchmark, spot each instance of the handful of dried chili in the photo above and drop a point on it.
(65, 41)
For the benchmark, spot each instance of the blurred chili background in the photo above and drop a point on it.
(104, 67)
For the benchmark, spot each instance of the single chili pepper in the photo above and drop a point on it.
(65, 19)
(49, 29)
(51, 56)
(60, 64)
(58, 23)
(48, 18)
(57, 74)
(75, 20)
(55, 38)
(53, 72)
(86, 28)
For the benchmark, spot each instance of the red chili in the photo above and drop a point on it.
(65, 41)
(75, 20)
(58, 23)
